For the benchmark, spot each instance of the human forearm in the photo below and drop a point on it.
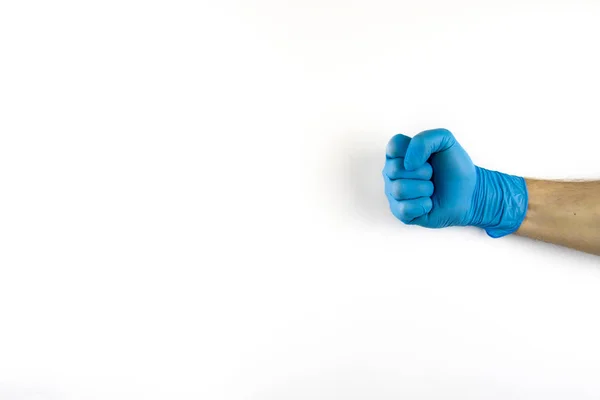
(564, 213)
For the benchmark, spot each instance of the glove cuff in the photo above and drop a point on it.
(499, 202)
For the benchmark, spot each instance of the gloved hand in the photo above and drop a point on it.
(431, 181)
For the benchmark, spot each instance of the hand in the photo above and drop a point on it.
(431, 181)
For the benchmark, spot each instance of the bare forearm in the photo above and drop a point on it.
(564, 213)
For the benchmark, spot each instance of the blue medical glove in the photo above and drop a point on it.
(431, 181)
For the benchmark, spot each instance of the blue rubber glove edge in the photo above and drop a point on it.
(521, 200)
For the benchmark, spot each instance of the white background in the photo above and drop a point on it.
(191, 202)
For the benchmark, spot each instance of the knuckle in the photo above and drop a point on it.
(395, 210)
(445, 131)
(399, 137)
(394, 168)
(398, 144)
(402, 214)
(396, 189)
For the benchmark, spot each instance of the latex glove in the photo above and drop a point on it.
(431, 181)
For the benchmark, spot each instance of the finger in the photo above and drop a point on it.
(408, 211)
(394, 169)
(426, 143)
(397, 145)
(405, 189)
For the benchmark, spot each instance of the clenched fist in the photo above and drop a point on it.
(431, 181)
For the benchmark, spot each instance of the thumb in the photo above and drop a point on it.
(426, 143)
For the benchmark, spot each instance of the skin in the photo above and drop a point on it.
(566, 213)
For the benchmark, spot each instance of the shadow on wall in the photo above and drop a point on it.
(363, 187)
(343, 383)
(378, 383)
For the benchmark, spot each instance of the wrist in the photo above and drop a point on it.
(499, 202)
